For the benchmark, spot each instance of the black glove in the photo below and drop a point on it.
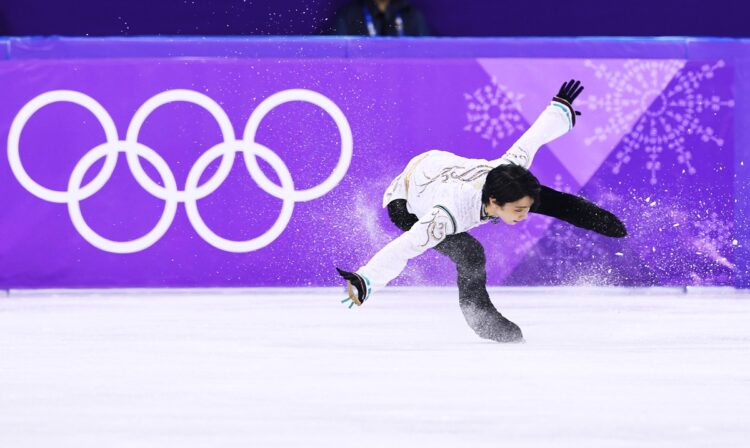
(568, 92)
(579, 212)
(359, 294)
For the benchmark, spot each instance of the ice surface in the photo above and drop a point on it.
(601, 368)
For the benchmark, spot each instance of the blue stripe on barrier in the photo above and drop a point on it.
(4, 49)
(357, 47)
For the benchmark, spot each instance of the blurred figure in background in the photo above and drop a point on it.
(381, 18)
(4, 28)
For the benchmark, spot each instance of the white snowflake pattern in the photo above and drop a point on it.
(664, 117)
(714, 234)
(530, 233)
(570, 243)
(565, 243)
(560, 184)
(494, 112)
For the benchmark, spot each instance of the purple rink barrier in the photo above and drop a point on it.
(262, 162)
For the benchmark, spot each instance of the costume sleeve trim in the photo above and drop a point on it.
(453, 220)
(571, 123)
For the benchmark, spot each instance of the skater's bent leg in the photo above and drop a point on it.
(479, 312)
(468, 255)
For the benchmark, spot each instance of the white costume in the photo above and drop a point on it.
(445, 191)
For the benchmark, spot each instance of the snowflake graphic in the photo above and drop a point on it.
(664, 118)
(530, 233)
(560, 184)
(713, 234)
(494, 112)
(565, 242)
(569, 243)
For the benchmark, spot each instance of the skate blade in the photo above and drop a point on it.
(352, 293)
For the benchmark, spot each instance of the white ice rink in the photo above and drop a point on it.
(601, 368)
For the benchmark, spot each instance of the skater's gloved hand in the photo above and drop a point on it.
(357, 287)
(568, 92)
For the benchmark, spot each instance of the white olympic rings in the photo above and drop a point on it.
(168, 192)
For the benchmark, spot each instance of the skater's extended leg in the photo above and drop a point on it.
(579, 212)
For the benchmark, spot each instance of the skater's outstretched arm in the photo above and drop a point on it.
(557, 119)
(579, 212)
(388, 263)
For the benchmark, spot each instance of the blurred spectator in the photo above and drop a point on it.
(4, 29)
(381, 18)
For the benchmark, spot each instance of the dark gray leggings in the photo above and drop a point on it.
(468, 255)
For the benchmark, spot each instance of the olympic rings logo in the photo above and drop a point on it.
(226, 150)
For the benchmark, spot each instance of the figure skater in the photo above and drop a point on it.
(440, 196)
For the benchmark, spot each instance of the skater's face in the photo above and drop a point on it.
(510, 212)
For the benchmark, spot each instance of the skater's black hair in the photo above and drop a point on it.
(509, 183)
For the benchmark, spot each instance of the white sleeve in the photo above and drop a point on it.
(428, 232)
(557, 119)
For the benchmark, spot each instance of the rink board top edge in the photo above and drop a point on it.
(302, 47)
(531, 290)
